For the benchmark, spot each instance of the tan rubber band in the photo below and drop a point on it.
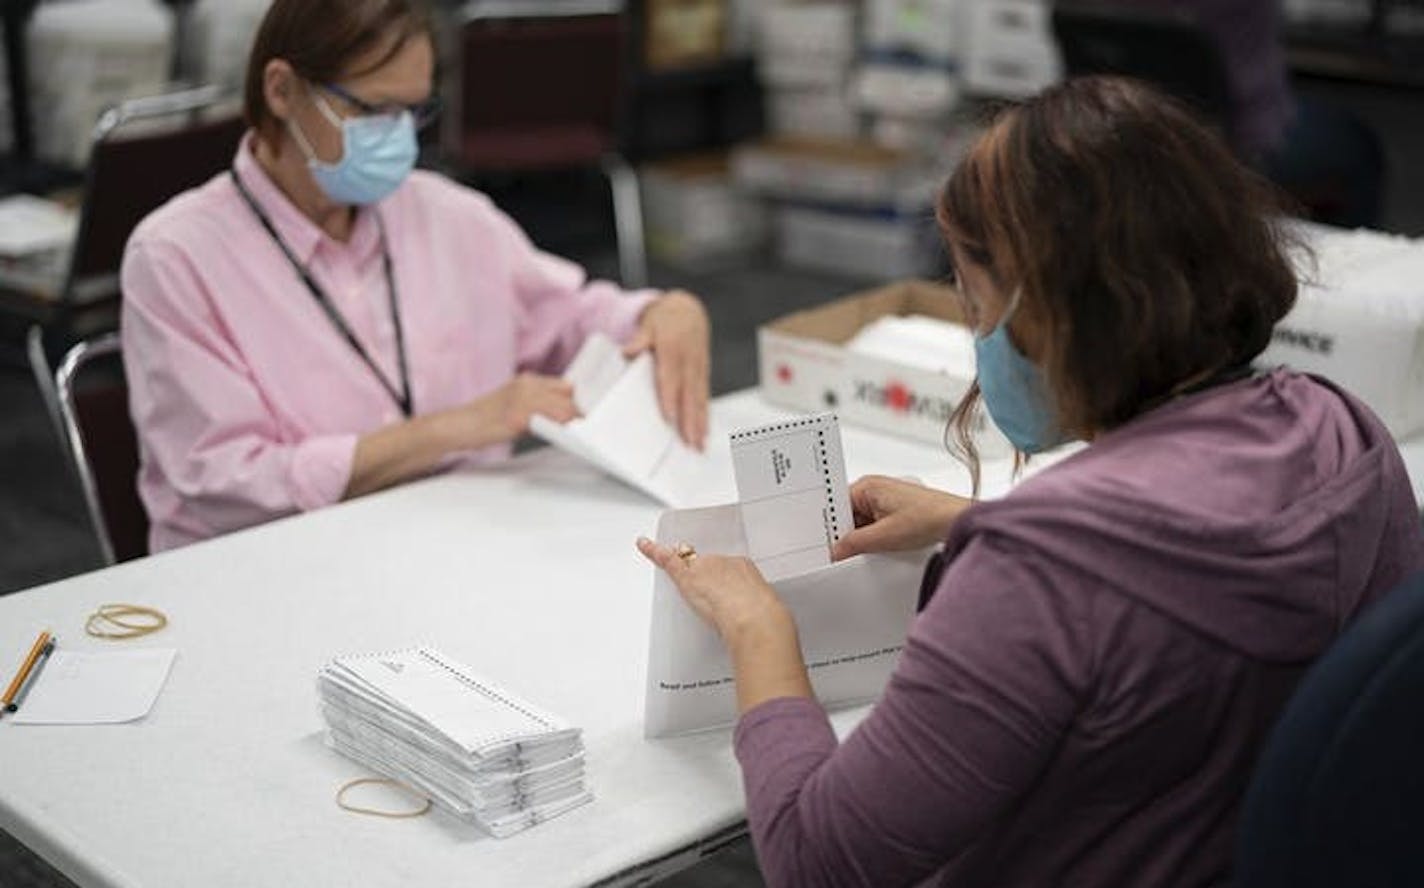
(112, 614)
(372, 812)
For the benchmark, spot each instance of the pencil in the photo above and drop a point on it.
(24, 672)
(34, 677)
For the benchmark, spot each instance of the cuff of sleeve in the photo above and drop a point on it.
(783, 728)
(621, 320)
(321, 470)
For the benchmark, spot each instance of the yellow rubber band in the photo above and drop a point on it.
(111, 614)
(373, 812)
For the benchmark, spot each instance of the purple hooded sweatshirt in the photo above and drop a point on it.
(1082, 700)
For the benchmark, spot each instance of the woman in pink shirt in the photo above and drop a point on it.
(321, 321)
(1100, 654)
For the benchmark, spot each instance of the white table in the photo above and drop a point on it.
(528, 573)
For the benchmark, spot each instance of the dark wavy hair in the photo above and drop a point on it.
(1151, 256)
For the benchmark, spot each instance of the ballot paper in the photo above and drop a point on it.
(793, 505)
(623, 432)
(472, 747)
(792, 494)
(96, 687)
(851, 618)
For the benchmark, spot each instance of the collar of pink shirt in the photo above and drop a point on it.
(301, 235)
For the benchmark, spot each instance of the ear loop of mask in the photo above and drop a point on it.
(300, 137)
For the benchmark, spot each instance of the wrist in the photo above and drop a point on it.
(751, 629)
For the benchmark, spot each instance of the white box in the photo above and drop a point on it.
(867, 245)
(1359, 321)
(813, 113)
(821, 29)
(804, 365)
(852, 173)
(1011, 50)
(695, 215)
(86, 57)
(931, 29)
(804, 71)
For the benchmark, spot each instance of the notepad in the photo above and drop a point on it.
(96, 687)
(473, 747)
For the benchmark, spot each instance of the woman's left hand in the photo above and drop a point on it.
(675, 327)
(729, 593)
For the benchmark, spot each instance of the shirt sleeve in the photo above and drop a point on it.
(989, 681)
(203, 423)
(558, 306)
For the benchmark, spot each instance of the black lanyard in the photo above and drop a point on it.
(402, 395)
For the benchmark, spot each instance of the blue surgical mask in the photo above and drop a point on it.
(377, 154)
(1015, 390)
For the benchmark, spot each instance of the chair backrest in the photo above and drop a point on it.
(1167, 49)
(103, 446)
(1338, 795)
(537, 90)
(146, 151)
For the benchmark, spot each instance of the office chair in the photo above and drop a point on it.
(146, 151)
(1338, 795)
(102, 446)
(1164, 48)
(539, 86)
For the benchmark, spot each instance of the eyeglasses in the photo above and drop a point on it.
(423, 114)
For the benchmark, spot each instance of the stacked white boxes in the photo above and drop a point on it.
(806, 54)
(88, 56)
(1011, 51)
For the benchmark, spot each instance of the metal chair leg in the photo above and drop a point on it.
(628, 219)
(44, 379)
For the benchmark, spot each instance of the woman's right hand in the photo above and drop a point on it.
(892, 515)
(503, 415)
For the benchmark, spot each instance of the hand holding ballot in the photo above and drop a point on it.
(747, 604)
(676, 330)
(896, 515)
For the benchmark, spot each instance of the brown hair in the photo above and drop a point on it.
(320, 39)
(1149, 254)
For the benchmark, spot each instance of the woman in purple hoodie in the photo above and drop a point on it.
(1082, 698)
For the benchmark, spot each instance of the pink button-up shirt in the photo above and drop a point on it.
(247, 399)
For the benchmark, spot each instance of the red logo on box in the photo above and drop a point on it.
(784, 374)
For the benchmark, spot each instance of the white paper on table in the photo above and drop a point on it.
(31, 224)
(851, 617)
(96, 687)
(791, 487)
(624, 433)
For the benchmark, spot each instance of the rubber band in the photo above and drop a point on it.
(97, 623)
(373, 812)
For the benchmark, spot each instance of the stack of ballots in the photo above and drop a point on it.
(476, 750)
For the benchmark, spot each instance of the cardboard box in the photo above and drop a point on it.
(804, 364)
(684, 32)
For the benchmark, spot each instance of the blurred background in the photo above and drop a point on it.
(766, 154)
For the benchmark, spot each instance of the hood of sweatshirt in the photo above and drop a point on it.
(1263, 513)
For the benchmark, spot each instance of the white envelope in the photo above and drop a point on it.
(852, 617)
(623, 431)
